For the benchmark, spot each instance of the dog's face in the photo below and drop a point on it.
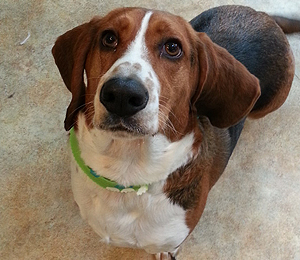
(135, 60)
(150, 72)
(133, 55)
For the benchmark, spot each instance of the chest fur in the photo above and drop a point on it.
(149, 221)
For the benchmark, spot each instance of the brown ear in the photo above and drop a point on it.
(70, 52)
(227, 91)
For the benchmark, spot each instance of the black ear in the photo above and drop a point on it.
(227, 91)
(70, 52)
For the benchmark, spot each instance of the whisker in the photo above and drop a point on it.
(79, 108)
(169, 111)
(167, 124)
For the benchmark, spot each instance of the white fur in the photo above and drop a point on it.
(149, 221)
(125, 67)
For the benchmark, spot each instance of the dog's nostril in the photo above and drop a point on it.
(108, 97)
(136, 101)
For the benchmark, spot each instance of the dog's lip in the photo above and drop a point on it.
(120, 127)
(123, 127)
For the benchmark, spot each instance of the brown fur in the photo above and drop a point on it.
(189, 186)
(287, 25)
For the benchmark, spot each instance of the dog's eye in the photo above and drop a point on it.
(172, 49)
(109, 39)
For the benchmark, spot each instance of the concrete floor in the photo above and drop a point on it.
(252, 213)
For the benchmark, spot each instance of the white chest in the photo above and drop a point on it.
(148, 221)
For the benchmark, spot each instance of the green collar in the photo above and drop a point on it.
(101, 181)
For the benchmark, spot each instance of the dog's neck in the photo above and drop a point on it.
(132, 161)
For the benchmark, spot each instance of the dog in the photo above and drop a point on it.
(154, 126)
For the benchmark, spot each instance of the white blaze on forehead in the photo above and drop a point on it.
(138, 46)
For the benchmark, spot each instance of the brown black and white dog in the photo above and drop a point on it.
(162, 110)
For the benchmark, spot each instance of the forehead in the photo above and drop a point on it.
(164, 23)
(127, 21)
(123, 19)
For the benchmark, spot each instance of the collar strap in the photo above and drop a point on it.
(101, 181)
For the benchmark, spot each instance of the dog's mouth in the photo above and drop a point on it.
(122, 127)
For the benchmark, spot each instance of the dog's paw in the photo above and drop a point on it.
(164, 256)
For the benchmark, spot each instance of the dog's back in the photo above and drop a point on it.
(255, 40)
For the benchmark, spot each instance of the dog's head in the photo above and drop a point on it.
(150, 72)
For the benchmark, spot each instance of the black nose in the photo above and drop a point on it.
(124, 96)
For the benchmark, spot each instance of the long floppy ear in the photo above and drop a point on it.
(227, 91)
(70, 52)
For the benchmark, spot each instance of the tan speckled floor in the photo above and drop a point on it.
(252, 213)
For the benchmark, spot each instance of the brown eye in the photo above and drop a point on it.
(110, 40)
(172, 49)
